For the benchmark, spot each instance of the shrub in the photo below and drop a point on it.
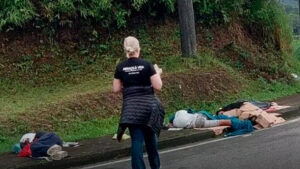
(55, 13)
(268, 20)
(264, 17)
(212, 12)
(15, 13)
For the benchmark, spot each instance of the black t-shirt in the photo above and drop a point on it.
(135, 72)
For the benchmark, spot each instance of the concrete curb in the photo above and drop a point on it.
(167, 139)
(104, 149)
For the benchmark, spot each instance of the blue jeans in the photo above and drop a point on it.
(138, 135)
(41, 146)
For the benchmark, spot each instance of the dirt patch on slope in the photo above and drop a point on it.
(199, 85)
(220, 36)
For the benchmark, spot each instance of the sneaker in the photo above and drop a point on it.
(58, 155)
(53, 149)
(124, 137)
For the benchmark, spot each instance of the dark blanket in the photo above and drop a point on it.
(239, 104)
(231, 106)
(39, 148)
(141, 107)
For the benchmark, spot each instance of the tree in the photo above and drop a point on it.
(187, 27)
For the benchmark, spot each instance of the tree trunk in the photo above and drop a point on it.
(299, 12)
(187, 27)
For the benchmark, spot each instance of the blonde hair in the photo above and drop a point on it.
(131, 45)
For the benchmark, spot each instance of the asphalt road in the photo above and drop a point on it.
(273, 148)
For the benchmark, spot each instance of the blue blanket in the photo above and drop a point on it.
(239, 126)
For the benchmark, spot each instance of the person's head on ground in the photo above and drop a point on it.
(131, 47)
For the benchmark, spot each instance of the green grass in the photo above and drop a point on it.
(7, 143)
(18, 96)
(257, 90)
(27, 98)
(296, 47)
(79, 130)
(22, 97)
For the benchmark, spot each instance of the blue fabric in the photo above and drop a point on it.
(192, 111)
(16, 148)
(138, 135)
(208, 115)
(171, 118)
(40, 147)
(239, 126)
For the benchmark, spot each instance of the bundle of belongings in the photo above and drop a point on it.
(203, 120)
(42, 145)
(237, 118)
(261, 114)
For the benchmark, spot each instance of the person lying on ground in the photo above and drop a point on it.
(183, 119)
(42, 145)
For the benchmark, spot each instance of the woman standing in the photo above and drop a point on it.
(142, 112)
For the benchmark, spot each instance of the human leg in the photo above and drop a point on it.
(215, 123)
(211, 123)
(137, 140)
(225, 122)
(151, 147)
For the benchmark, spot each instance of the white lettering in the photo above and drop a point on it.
(133, 69)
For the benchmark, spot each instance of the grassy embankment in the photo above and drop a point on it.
(66, 88)
(17, 98)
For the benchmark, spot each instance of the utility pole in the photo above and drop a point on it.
(187, 27)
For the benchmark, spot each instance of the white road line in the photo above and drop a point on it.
(190, 146)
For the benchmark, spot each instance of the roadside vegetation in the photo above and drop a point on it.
(57, 60)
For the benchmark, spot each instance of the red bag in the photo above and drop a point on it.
(26, 151)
